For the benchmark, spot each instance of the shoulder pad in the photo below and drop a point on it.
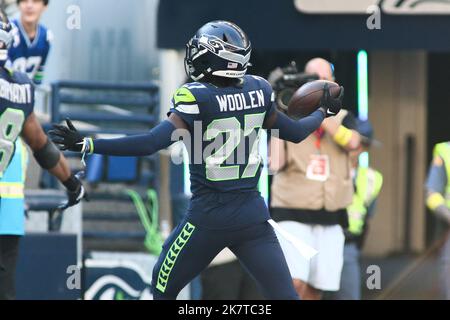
(258, 78)
(261, 82)
(264, 84)
(195, 85)
(190, 93)
(183, 95)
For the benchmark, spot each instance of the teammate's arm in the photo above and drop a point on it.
(160, 137)
(51, 159)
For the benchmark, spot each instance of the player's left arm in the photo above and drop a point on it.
(297, 130)
(160, 137)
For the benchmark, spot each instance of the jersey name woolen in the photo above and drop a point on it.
(241, 101)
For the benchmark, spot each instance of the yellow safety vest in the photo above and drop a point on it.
(443, 150)
(12, 182)
(12, 202)
(367, 187)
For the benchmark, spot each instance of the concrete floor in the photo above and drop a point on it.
(403, 278)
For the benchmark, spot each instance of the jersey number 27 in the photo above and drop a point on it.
(215, 168)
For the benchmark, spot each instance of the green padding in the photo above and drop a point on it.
(183, 95)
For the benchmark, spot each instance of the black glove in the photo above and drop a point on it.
(67, 138)
(75, 191)
(331, 106)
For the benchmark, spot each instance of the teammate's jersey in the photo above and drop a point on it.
(16, 104)
(28, 55)
(224, 126)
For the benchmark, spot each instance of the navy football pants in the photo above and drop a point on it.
(190, 249)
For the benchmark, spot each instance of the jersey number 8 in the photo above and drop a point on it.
(11, 122)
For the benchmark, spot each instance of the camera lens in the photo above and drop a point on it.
(284, 97)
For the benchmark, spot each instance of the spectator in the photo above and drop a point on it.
(367, 183)
(438, 201)
(32, 40)
(310, 194)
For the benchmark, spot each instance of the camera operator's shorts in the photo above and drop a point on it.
(323, 271)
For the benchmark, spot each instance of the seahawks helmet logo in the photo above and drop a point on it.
(219, 48)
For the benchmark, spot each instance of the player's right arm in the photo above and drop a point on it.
(51, 159)
(183, 113)
(160, 137)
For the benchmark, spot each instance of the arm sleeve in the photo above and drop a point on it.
(160, 137)
(296, 130)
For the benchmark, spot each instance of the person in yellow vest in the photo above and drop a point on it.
(310, 192)
(17, 120)
(367, 183)
(438, 201)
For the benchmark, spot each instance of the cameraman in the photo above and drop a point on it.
(310, 192)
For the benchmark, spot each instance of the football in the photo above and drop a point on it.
(307, 98)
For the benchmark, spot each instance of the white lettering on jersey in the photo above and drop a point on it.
(238, 101)
(14, 92)
(222, 103)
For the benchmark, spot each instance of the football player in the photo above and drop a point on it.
(32, 40)
(17, 119)
(224, 111)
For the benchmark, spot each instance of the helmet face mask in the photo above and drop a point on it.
(192, 51)
(219, 48)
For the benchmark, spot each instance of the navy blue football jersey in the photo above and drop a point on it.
(16, 104)
(30, 55)
(225, 125)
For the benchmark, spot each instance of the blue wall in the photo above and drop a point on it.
(277, 25)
